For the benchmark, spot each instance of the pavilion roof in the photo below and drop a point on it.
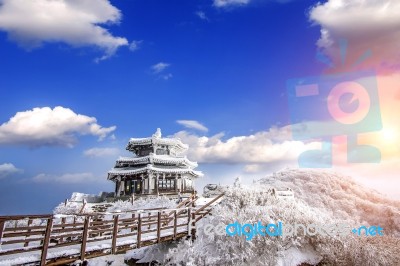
(153, 169)
(157, 139)
(158, 159)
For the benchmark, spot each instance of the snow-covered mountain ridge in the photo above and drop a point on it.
(320, 198)
(340, 196)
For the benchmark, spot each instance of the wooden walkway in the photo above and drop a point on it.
(57, 240)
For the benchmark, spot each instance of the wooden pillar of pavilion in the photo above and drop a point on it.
(156, 183)
(141, 185)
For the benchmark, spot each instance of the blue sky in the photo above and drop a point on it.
(124, 68)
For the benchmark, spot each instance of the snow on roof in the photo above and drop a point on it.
(153, 140)
(170, 170)
(157, 139)
(160, 159)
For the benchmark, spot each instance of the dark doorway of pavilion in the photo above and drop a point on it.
(133, 186)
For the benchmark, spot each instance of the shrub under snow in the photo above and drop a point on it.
(320, 198)
(160, 202)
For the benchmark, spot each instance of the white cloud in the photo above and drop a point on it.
(192, 124)
(159, 67)
(167, 76)
(101, 152)
(228, 3)
(65, 178)
(365, 24)
(135, 45)
(237, 3)
(201, 15)
(273, 146)
(77, 23)
(50, 127)
(252, 168)
(7, 169)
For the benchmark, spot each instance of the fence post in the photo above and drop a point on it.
(139, 231)
(62, 222)
(175, 224)
(194, 198)
(27, 242)
(84, 237)
(46, 241)
(2, 225)
(193, 232)
(189, 220)
(133, 220)
(115, 235)
(158, 226)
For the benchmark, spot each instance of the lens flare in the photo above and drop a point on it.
(389, 135)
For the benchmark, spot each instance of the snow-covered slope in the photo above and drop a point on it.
(340, 196)
(320, 198)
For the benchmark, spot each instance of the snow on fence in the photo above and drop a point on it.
(61, 239)
(45, 238)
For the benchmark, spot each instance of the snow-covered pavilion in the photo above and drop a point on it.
(157, 167)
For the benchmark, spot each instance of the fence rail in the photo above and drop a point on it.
(55, 240)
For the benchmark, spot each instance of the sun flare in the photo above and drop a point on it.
(389, 135)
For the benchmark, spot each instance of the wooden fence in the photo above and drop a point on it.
(56, 240)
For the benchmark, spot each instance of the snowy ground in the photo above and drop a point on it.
(320, 198)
